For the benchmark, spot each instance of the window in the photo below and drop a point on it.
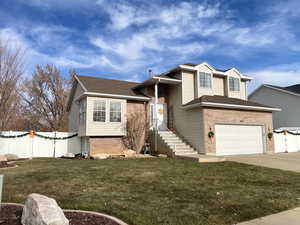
(82, 112)
(204, 80)
(115, 111)
(234, 84)
(99, 113)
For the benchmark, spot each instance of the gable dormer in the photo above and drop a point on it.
(203, 79)
(235, 85)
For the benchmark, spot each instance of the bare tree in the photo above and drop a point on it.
(45, 97)
(11, 71)
(137, 131)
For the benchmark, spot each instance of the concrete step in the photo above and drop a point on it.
(187, 152)
(174, 142)
(171, 138)
(183, 147)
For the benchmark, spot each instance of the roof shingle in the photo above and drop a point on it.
(224, 100)
(293, 88)
(109, 86)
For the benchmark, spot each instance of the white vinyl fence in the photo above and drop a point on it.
(39, 145)
(287, 140)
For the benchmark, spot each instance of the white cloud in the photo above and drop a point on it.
(282, 75)
(69, 57)
(162, 31)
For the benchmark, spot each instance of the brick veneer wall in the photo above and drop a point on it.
(107, 145)
(213, 116)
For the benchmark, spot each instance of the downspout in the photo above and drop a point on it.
(155, 110)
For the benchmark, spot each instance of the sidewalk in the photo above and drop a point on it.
(289, 217)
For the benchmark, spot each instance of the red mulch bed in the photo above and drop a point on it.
(11, 215)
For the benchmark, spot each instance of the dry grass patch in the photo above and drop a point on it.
(159, 190)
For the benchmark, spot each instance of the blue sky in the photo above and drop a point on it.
(123, 39)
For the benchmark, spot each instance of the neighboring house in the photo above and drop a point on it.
(286, 98)
(184, 106)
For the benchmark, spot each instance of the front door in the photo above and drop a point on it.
(161, 115)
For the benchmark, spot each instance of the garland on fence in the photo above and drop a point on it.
(285, 132)
(55, 138)
(31, 133)
(14, 136)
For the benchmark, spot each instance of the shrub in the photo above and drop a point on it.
(11, 157)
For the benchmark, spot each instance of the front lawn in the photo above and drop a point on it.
(157, 191)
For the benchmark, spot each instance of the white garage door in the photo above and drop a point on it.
(238, 139)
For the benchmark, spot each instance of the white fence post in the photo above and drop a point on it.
(54, 145)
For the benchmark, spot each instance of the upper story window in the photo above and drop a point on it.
(99, 112)
(234, 84)
(82, 110)
(115, 111)
(205, 80)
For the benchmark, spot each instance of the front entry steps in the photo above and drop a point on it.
(177, 145)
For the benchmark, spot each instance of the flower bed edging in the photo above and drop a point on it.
(120, 222)
(111, 218)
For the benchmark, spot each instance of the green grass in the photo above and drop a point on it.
(157, 191)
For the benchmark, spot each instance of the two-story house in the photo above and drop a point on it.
(193, 108)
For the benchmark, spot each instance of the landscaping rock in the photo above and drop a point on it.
(69, 155)
(41, 210)
(129, 153)
(11, 157)
(101, 156)
(3, 158)
(162, 156)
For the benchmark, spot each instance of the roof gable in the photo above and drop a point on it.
(292, 90)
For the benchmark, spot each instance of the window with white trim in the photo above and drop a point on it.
(82, 110)
(115, 111)
(234, 84)
(99, 111)
(205, 80)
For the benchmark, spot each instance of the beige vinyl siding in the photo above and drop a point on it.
(73, 116)
(188, 123)
(95, 128)
(204, 91)
(188, 91)
(218, 87)
(243, 90)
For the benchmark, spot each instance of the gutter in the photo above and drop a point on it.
(113, 96)
(166, 79)
(230, 106)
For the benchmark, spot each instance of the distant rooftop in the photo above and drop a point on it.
(293, 88)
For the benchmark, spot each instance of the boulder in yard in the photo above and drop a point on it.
(3, 158)
(69, 155)
(101, 156)
(41, 210)
(129, 153)
(11, 157)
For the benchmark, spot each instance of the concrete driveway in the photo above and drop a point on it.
(284, 161)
